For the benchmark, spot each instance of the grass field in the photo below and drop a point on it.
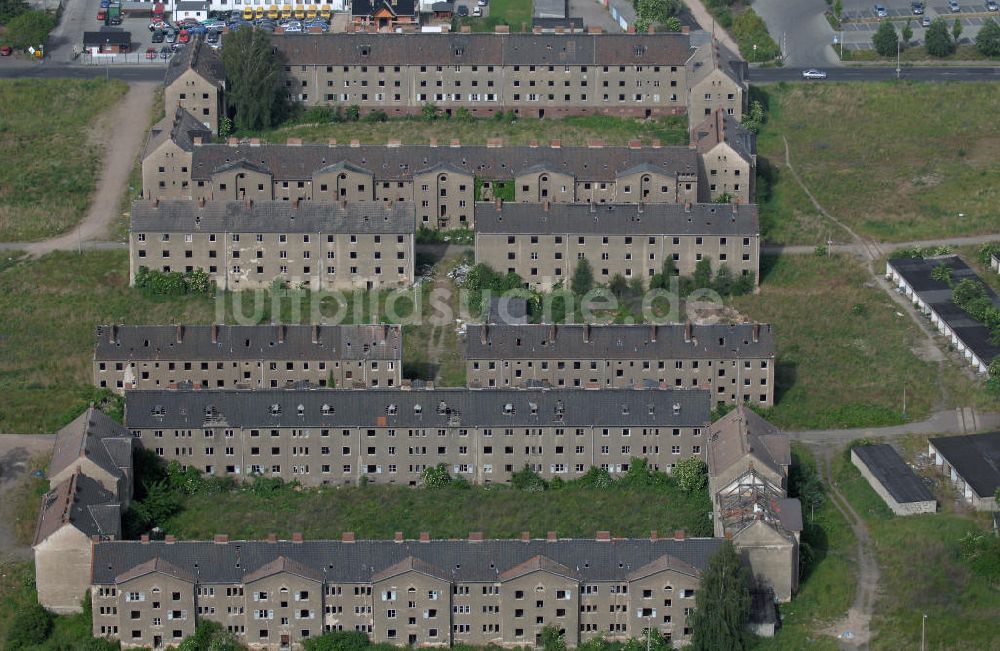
(844, 353)
(570, 131)
(499, 512)
(897, 160)
(516, 13)
(49, 164)
(915, 54)
(923, 571)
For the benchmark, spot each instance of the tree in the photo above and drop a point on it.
(907, 32)
(956, 30)
(31, 626)
(29, 29)
(672, 24)
(937, 40)
(583, 278)
(723, 282)
(435, 476)
(253, 77)
(618, 285)
(988, 39)
(886, 40)
(722, 604)
(527, 480)
(11, 8)
(755, 117)
(838, 8)
(553, 639)
(691, 474)
(703, 273)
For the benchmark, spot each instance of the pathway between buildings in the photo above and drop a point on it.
(123, 133)
(707, 23)
(15, 452)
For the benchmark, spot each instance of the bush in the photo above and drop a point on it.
(691, 474)
(528, 480)
(988, 39)
(31, 626)
(435, 476)
(174, 283)
(937, 39)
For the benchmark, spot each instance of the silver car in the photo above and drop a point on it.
(813, 73)
(880, 11)
(953, 6)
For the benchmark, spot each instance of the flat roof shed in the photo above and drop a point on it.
(973, 464)
(894, 481)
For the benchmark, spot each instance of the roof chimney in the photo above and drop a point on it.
(729, 535)
(215, 333)
(604, 535)
(425, 537)
(398, 537)
(272, 537)
(545, 205)
(635, 144)
(170, 540)
(315, 333)
(221, 538)
(296, 537)
(493, 143)
(201, 202)
(652, 334)
(586, 333)
(233, 140)
(687, 332)
(756, 332)
(483, 333)
(144, 538)
(654, 535)
(281, 333)
(476, 536)
(196, 140)
(551, 536)
(533, 142)
(355, 142)
(433, 142)
(595, 143)
(180, 333)
(112, 334)
(455, 142)
(347, 537)
(656, 143)
(294, 142)
(332, 142)
(552, 333)
(501, 29)
(555, 144)
(394, 142)
(255, 142)
(525, 536)
(679, 534)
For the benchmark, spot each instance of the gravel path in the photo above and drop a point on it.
(15, 452)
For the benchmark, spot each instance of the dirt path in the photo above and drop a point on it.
(123, 133)
(854, 630)
(15, 451)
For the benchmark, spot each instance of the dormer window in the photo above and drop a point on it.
(275, 409)
(365, 50)
(508, 409)
(459, 51)
(158, 410)
(534, 408)
(391, 410)
(624, 410)
(327, 410)
(301, 409)
(640, 50)
(417, 409)
(677, 408)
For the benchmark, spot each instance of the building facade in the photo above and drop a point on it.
(533, 75)
(543, 242)
(195, 82)
(444, 183)
(727, 159)
(247, 357)
(734, 363)
(275, 594)
(248, 245)
(390, 436)
(717, 81)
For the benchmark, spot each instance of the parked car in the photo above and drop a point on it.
(151, 53)
(102, 15)
(880, 11)
(991, 5)
(917, 8)
(158, 24)
(5, 51)
(482, 3)
(953, 6)
(105, 4)
(925, 21)
(170, 36)
(183, 36)
(813, 73)
(158, 36)
(212, 37)
(165, 52)
(463, 11)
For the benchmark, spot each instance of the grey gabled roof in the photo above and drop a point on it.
(263, 342)
(741, 433)
(975, 457)
(203, 60)
(885, 464)
(95, 436)
(720, 127)
(617, 219)
(358, 562)
(431, 408)
(453, 48)
(81, 502)
(181, 127)
(301, 162)
(673, 341)
(185, 216)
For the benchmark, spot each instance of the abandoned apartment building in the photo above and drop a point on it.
(734, 363)
(130, 357)
(543, 243)
(251, 245)
(391, 435)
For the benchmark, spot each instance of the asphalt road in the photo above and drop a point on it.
(801, 29)
(881, 73)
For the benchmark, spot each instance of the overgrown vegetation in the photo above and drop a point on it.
(49, 165)
(853, 146)
(751, 35)
(253, 79)
(188, 505)
(173, 283)
(722, 604)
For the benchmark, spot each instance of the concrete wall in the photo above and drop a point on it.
(773, 559)
(62, 570)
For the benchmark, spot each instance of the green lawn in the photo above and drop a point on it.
(895, 160)
(844, 352)
(923, 571)
(516, 13)
(49, 162)
(497, 511)
(915, 54)
(577, 130)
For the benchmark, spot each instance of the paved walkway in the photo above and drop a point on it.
(707, 23)
(952, 421)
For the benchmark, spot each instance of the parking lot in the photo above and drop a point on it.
(860, 22)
